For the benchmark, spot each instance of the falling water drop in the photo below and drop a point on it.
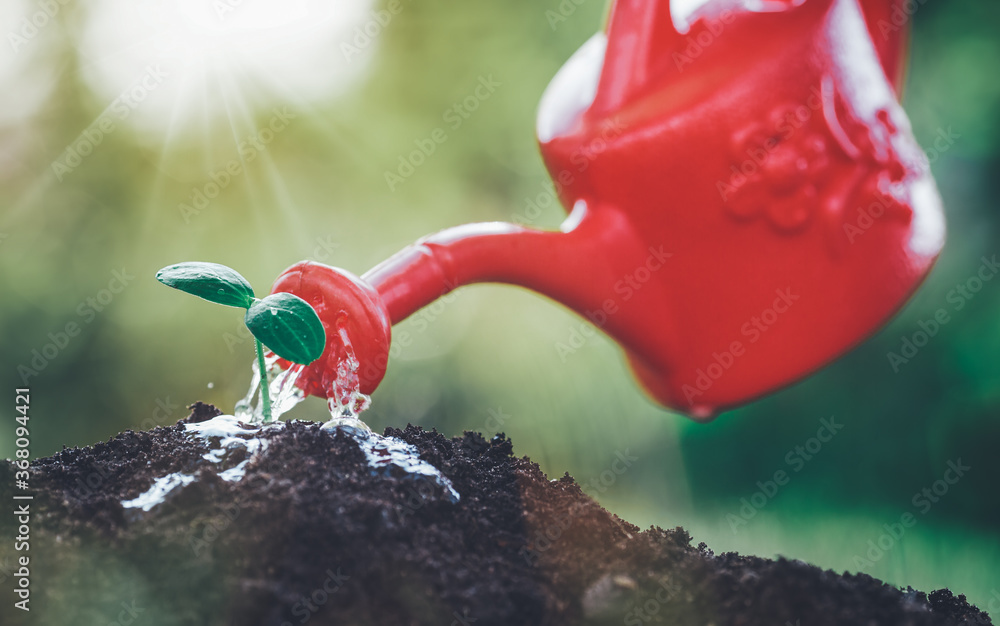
(385, 455)
(346, 399)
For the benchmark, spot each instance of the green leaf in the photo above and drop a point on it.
(211, 281)
(288, 326)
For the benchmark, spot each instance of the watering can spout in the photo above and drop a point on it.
(561, 264)
(576, 266)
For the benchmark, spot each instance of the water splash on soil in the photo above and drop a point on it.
(158, 492)
(233, 440)
(386, 455)
(232, 444)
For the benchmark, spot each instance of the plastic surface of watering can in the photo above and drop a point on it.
(746, 203)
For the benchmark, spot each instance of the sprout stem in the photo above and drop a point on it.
(265, 384)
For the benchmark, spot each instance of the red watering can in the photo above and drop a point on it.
(747, 203)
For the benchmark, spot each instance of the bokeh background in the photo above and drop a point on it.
(185, 87)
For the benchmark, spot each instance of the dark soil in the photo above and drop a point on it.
(311, 535)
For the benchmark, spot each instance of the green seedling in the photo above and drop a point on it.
(286, 324)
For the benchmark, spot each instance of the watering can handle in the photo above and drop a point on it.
(638, 33)
(641, 36)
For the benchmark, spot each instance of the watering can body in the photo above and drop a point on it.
(746, 202)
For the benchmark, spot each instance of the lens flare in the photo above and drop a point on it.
(171, 63)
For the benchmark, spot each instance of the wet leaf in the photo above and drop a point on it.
(211, 281)
(288, 326)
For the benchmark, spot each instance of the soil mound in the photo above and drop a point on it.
(311, 534)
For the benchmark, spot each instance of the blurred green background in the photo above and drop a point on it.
(484, 359)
